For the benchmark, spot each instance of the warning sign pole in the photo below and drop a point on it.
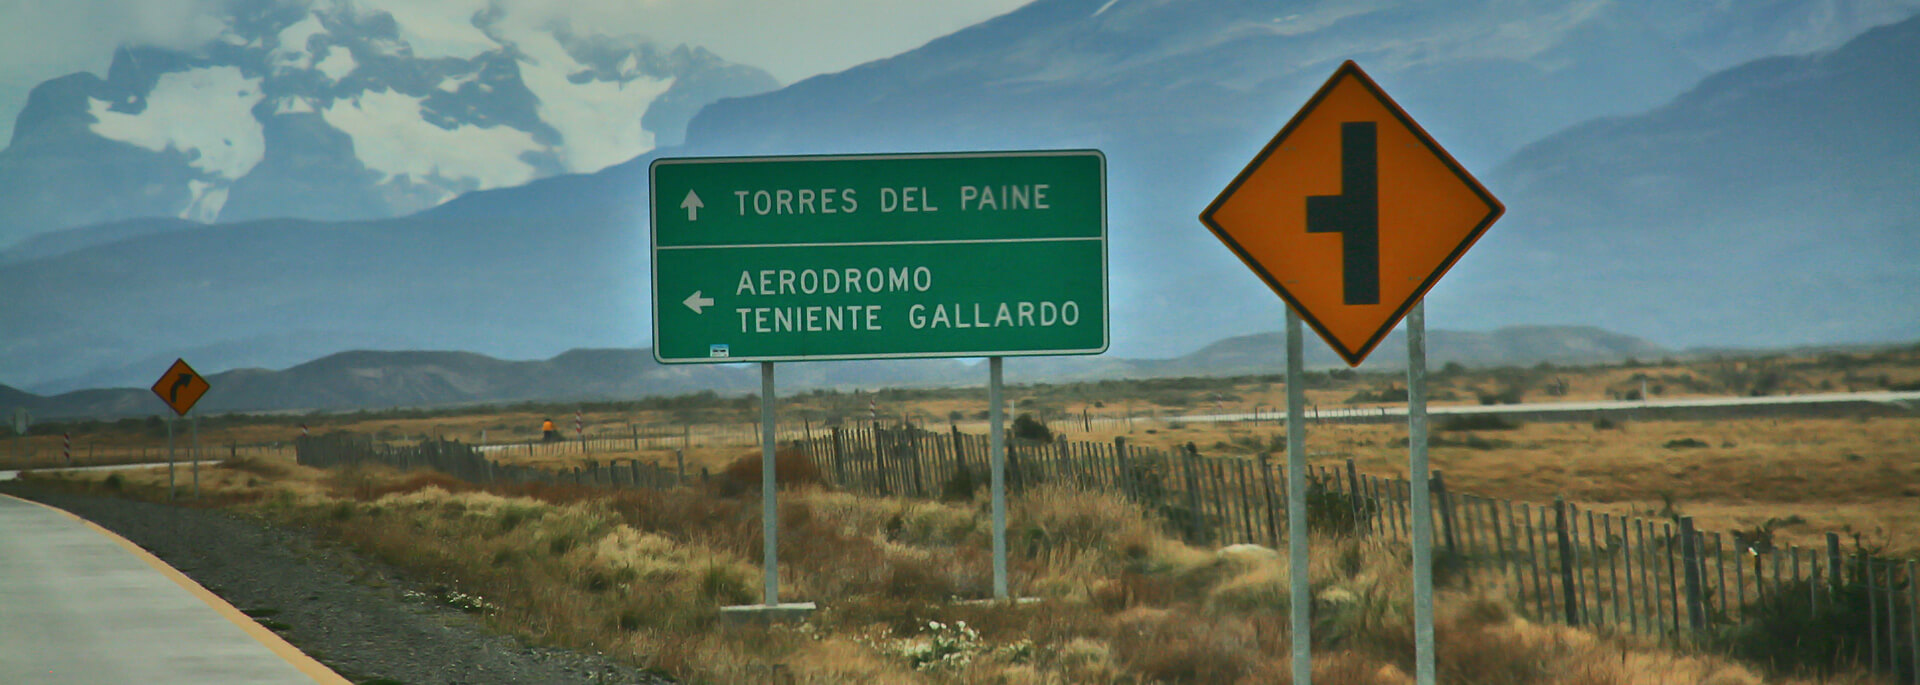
(1420, 480)
(1297, 535)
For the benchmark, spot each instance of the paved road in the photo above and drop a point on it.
(185, 467)
(81, 605)
(1814, 400)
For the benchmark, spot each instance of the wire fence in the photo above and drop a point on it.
(1652, 576)
(94, 454)
(1655, 576)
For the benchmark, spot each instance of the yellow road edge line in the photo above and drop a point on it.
(278, 645)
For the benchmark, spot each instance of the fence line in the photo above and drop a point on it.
(92, 454)
(469, 463)
(1654, 576)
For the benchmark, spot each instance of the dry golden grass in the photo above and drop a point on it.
(641, 574)
(1858, 474)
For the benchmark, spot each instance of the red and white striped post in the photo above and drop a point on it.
(66, 447)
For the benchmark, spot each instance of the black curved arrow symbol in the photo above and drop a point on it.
(173, 393)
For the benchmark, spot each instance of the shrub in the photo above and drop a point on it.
(1684, 443)
(1336, 512)
(790, 468)
(1469, 441)
(1026, 427)
(725, 585)
(960, 487)
(1478, 422)
(1787, 633)
(1391, 393)
(1509, 395)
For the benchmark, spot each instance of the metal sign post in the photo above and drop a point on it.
(998, 436)
(806, 258)
(21, 421)
(1351, 214)
(170, 480)
(195, 455)
(769, 506)
(1422, 498)
(180, 388)
(1297, 505)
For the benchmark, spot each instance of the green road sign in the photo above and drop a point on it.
(879, 256)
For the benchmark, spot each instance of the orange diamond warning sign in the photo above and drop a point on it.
(1351, 213)
(180, 387)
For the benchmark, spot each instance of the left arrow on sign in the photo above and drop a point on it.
(697, 303)
(692, 204)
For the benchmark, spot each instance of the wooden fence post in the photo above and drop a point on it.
(1893, 633)
(911, 451)
(1361, 525)
(960, 457)
(1570, 605)
(1834, 574)
(1246, 500)
(1690, 551)
(1873, 612)
(1579, 577)
(1533, 563)
(1193, 497)
(1913, 617)
(1266, 495)
(1442, 498)
(839, 459)
(1673, 581)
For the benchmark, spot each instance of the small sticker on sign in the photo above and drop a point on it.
(717, 351)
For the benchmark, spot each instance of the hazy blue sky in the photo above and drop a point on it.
(792, 39)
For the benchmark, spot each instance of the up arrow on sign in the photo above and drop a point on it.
(692, 204)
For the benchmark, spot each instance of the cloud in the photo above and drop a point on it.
(791, 39)
(51, 39)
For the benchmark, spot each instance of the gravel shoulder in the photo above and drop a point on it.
(367, 622)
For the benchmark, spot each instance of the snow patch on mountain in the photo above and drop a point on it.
(338, 63)
(346, 110)
(437, 29)
(292, 53)
(452, 84)
(208, 198)
(599, 120)
(292, 105)
(390, 136)
(206, 115)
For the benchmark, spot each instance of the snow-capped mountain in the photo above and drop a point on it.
(331, 109)
(1771, 156)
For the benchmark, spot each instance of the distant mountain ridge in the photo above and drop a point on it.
(379, 380)
(1178, 98)
(1775, 202)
